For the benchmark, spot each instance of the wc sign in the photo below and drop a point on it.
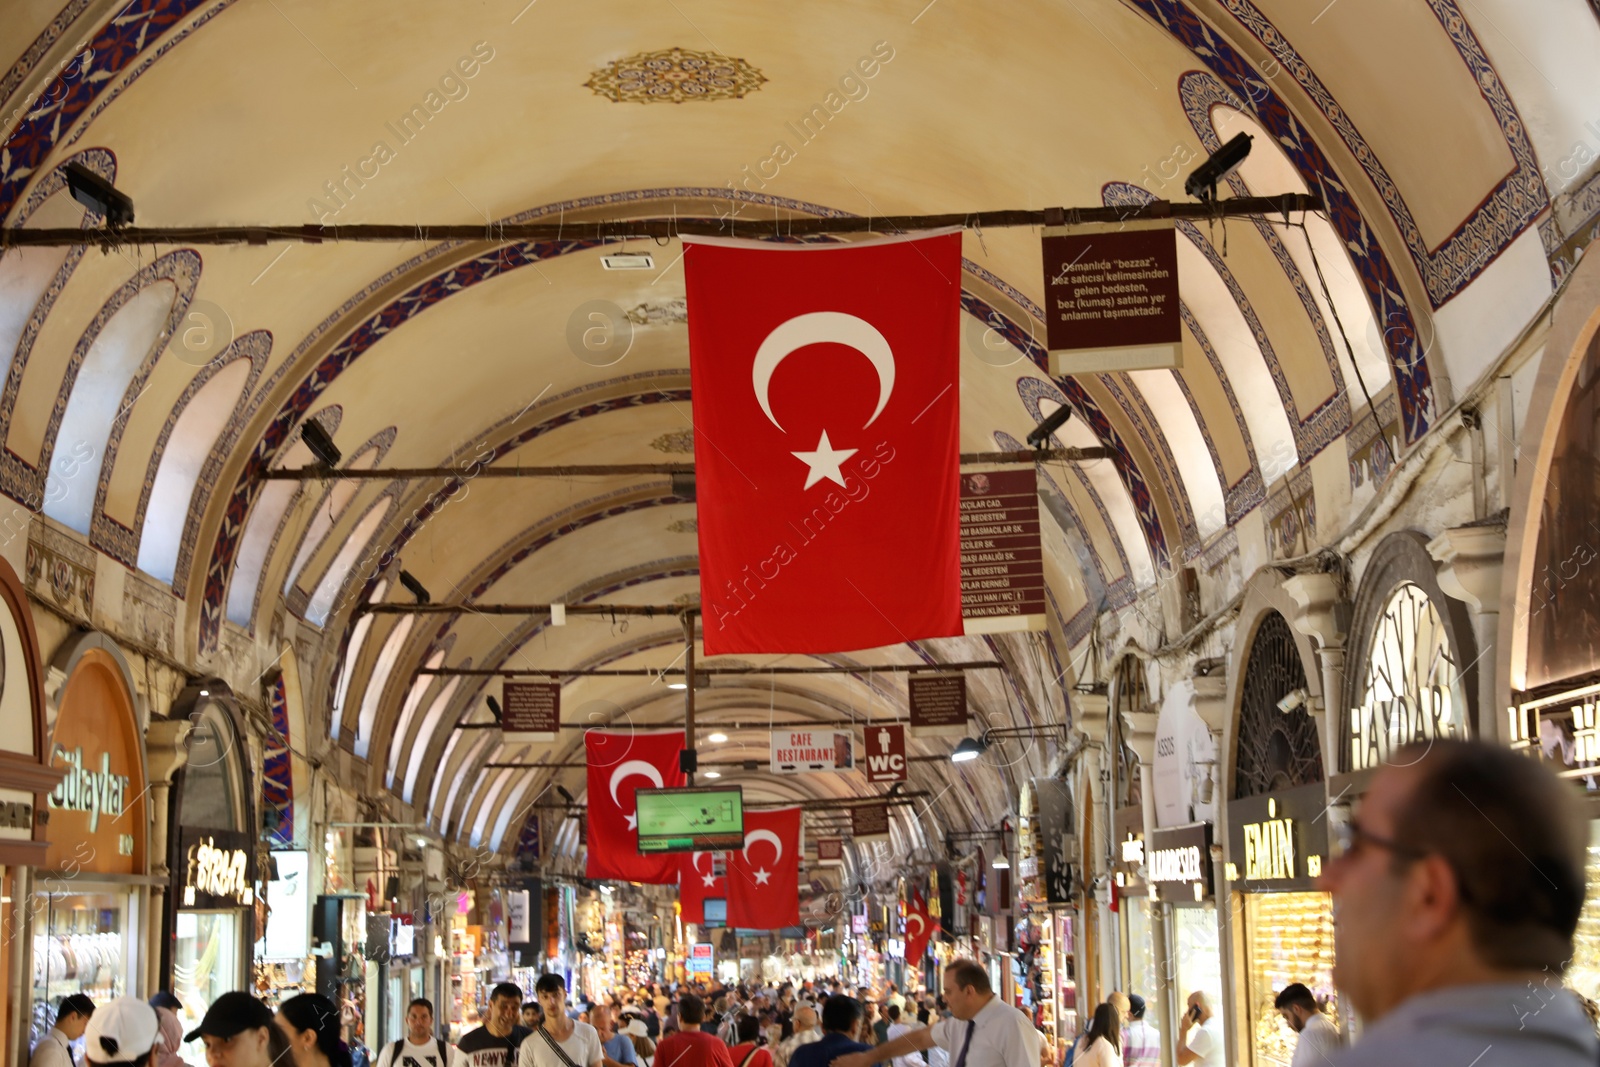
(886, 752)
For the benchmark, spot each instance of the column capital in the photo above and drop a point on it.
(166, 748)
(1211, 700)
(1139, 731)
(1318, 603)
(1470, 559)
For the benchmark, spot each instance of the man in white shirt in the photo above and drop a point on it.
(1200, 1034)
(1319, 1038)
(421, 1047)
(72, 1017)
(561, 1041)
(901, 1024)
(983, 1031)
(806, 1030)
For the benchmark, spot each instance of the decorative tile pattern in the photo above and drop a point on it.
(1370, 459)
(684, 526)
(678, 441)
(1291, 514)
(60, 569)
(664, 313)
(25, 64)
(675, 76)
(277, 773)
(149, 612)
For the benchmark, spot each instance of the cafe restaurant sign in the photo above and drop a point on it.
(1279, 840)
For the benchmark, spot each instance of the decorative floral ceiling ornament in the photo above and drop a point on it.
(676, 441)
(674, 75)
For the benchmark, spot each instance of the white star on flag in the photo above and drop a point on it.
(824, 462)
(762, 876)
(633, 821)
(708, 879)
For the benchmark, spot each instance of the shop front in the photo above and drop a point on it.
(89, 911)
(1179, 878)
(26, 780)
(1047, 930)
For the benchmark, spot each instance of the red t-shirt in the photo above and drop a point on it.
(762, 1058)
(692, 1048)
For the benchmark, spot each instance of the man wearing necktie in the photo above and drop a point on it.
(54, 1049)
(983, 1031)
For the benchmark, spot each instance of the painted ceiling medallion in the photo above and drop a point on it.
(676, 441)
(674, 75)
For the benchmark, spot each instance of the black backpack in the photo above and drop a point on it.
(399, 1046)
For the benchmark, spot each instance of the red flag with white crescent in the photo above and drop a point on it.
(620, 763)
(764, 876)
(826, 422)
(919, 930)
(697, 882)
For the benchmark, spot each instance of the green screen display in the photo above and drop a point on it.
(690, 820)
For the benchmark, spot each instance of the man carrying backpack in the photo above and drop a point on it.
(420, 1047)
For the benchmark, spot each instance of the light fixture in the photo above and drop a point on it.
(969, 749)
(1293, 700)
(1001, 863)
(99, 195)
(1040, 437)
(1203, 181)
(628, 261)
(677, 685)
(205, 692)
(416, 588)
(494, 706)
(321, 445)
(717, 738)
(713, 774)
(605, 889)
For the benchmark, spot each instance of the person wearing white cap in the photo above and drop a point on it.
(122, 1033)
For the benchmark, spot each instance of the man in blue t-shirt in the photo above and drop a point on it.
(841, 1019)
(617, 1047)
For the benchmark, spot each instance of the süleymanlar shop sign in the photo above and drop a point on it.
(1111, 297)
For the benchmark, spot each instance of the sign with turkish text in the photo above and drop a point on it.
(1002, 562)
(1178, 862)
(218, 870)
(531, 712)
(1111, 297)
(885, 752)
(99, 820)
(869, 822)
(794, 751)
(701, 957)
(830, 850)
(1278, 841)
(938, 704)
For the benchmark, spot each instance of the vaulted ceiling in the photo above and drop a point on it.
(147, 388)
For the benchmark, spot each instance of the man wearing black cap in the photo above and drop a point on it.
(72, 1016)
(1141, 1042)
(237, 1030)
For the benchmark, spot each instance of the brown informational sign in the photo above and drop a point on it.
(886, 752)
(532, 711)
(1111, 297)
(1002, 563)
(869, 822)
(938, 704)
(830, 850)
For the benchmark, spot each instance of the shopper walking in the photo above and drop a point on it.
(615, 1048)
(689, 1046)
(125, 1032)
(72, 1018)
(842, 1019)
(901, 1024)
(1101, 1042)
(562, 1041)
(497, 1042)
(1457, 888)
(1141, 1042)
(422, 1046)
(238, 1030)
(806, 1030)
(751, 1051)
(983, 1031)
(1319, 1039)
(311, 1023)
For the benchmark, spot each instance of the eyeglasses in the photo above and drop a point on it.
(1348, 836)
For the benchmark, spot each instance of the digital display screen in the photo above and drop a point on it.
(716, 911)
(691, 820)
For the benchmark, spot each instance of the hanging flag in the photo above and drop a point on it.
(621, 762)
(827, 462)
(919, 930)
(698, 881)
(764, 877)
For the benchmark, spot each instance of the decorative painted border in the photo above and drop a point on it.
(277, 771)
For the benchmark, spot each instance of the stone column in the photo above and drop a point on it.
(1470, 559)
(1321, 615)
(1139, 731)
(1091, 721)
(166, 750)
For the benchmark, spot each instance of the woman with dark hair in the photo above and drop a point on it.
(311, 1024)
(1101, 1043)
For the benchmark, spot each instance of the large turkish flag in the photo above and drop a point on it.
(620, 763)
(696, 883)
(764, 877)
(919, 930)
(826, 423)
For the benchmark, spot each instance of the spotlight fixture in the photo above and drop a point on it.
(717, 738)
(628, 261)
(1203, 181)
(494, 707)
(677, 685)
(1001, 863)
(568, 797)
(1293, 700)
(713, 774)
(416, 588)
(205, 692)
(894, 790)
(969, 749)
(321, 445)
(1040, 437)
(99, 195)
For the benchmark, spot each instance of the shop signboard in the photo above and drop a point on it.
(1177, 862)
(218, 870)
(1111, 290)
(288, 934)
(938, 704)
(1057, 844)
(532, 712)
(1278, 841)
(1002, 560)
(830, 850)
(701, 958)
(1563, 730)
(869, 822)
(799, 751)
(98, 820)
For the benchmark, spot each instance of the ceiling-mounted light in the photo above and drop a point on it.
(1202, 183)
(713, 774)
(99, 195)
(605, 889)
(717, 738)
(969, 749)
(677, 685)
(205, 692)
(416, 588)
(1293, 700)
(628, 261)
(1040, 437)
(1001, 863)
(320, 443)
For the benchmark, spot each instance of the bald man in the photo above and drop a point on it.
(1199, 1035)
(806, 1031)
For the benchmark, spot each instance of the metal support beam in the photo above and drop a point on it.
(683, 672)
(821, 804)
(322, 473)
(502, 233)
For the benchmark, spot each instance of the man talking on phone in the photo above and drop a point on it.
(1199, 1034)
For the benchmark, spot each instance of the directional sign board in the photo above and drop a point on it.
(886, 752)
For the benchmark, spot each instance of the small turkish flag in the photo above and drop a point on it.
(620, 763)
(919, 930)
(696, 883)
(764, 877)
(826, 425)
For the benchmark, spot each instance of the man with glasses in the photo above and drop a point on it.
(1457, 888)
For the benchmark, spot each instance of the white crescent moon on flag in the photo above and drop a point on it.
(817, 327)
(763, 835)
(694, 861)
(922, 923)
(634, 766)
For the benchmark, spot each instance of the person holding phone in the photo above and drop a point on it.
(1199, 1034)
